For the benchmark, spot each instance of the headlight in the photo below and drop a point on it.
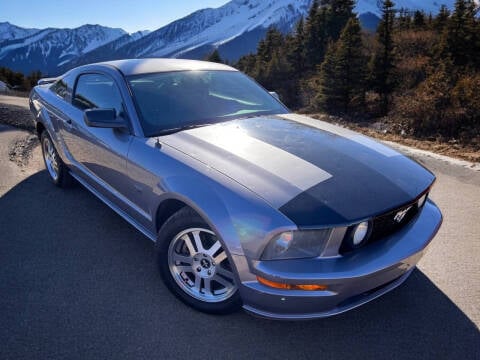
(297, 244)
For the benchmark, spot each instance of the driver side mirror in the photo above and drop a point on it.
(103, 118)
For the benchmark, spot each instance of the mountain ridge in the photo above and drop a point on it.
(233, 28)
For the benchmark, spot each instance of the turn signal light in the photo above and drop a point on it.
(283, 286)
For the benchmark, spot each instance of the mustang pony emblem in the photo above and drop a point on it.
(401, 214)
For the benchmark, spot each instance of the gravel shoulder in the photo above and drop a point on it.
(14, 111)
(20, 157)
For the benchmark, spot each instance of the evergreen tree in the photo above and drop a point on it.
(296, 51)
(273, 41)
(342, 74)
(419, 19)
(12, 78)
(314, 40)
(441, 20)
(272, 44)
(460, 40)
(214, 57)
(278, 78)
(247, 64)
(404, 19)
(382, 62)
(328, 96)
(32, 79)
(338, 12)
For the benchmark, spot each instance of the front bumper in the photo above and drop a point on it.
(351, 280)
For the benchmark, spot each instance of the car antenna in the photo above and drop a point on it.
(157, 144)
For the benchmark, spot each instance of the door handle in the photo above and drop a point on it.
(69, 121)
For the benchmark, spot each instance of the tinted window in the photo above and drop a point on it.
(97, 91)
(63, 87)
(192, 98)
(59, 88)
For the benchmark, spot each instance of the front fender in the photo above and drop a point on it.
(242, 220)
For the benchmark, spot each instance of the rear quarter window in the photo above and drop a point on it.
(63, 87)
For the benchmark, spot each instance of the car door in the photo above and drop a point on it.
(99, 153)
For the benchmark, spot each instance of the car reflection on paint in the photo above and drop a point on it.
(249, 205)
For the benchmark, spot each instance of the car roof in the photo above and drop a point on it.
(145, 66)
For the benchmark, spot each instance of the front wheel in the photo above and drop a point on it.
(194, 265)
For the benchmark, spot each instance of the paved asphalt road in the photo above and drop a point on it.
(14, 100)
(77, 282)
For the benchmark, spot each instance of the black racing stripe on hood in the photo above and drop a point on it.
(364, 181)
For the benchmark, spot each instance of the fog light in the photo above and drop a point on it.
(360, 233)
(277, 285)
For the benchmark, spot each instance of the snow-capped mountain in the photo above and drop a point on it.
(108, 51)
(11, 32)
(234, 29)
(48, 49)
(215, 27)
(241, 23)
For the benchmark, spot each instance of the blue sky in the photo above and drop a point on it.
(131, 15)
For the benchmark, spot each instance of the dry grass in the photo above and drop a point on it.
(382, 130)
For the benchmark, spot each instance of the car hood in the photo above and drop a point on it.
(315, 173)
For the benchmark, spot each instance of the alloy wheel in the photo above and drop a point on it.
(200, 266)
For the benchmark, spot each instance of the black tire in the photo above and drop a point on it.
(63, 178)
(179, 222)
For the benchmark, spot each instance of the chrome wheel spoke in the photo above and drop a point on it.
(207, 286)
(189, 244)
(184, 269)
(198, 283)
(198, 241)
(182, 259)
(214, 248)
(220, 257)
(222, 281)
(225, 272)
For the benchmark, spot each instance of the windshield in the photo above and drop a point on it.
(185, 99)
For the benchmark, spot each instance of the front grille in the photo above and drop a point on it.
(384, 225)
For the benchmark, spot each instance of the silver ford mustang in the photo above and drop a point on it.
(249, 204)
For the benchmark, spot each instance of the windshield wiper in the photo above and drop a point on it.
(178, 129)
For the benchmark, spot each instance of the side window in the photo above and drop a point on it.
(60, 88)
(97, 91)
(63, 87)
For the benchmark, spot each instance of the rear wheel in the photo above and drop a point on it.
(57, 170)
(195, 266)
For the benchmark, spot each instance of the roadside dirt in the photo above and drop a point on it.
(16, 116)
(382, 131)
(20, 149)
